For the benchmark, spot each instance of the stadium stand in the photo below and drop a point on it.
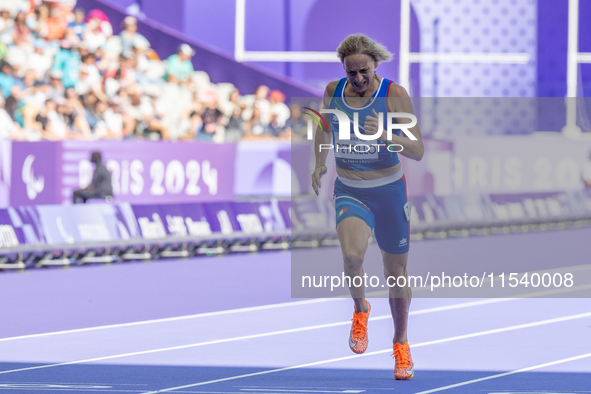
(65, 74)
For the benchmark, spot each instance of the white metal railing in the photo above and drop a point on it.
(406, 58)
(573, 58)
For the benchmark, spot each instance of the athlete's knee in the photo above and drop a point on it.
(395, 270)
(352, 260)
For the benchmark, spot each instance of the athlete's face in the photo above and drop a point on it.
(361, 70)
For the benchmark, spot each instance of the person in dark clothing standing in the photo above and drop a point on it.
(101, 182)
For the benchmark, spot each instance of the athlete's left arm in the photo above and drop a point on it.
(399, 101)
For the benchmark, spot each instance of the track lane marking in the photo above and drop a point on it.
(443, 340)
(254, 336)
(177, 318)
(500, 375)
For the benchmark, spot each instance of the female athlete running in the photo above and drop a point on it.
(370, 190)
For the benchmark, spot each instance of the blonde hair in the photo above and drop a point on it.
(356, 44)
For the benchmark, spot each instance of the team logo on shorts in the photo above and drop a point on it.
(402, 242)
(342, 212)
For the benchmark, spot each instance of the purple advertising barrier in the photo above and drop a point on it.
(35, 173)
(120, 220)
(8, 236)
(427, 209)
(222, 217)
(272, 216)
(285, 209)
(531, 205)
(5, 169)
(312, 213)
(150, 221)
(272, 168)
(74, 224)
(154, 172)
(249, 217)
(27, 224)
(157, 221)
(196, 219)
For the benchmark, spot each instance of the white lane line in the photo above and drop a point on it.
(307, 391)
(451, 386)
(271, 306)
(253, 336)
(443, 340)
(169, 319)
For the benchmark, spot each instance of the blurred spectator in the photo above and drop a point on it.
(56, 24)
(56, 89)
(7, 79)
(84, 84)
(89, 63)
(254, 127)
(120, 77)
(6, 26)
(101, 182)
(179, 67)
(101, 18)
(29, 80)
(258, 100)
(8, 128)
(212, 120)
(110, 123)
(21, 34)
(233, 110)
(56, 127)
(146, 122)
(78, 25)
(296, 125)
(69, 77)
(32, 129)
(93, 36)
(130, 36)
(278, 109)
(38, 60)
(67, 60)
(38, 22)
(76, 115)
(141, 62)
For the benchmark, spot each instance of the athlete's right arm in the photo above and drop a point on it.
(321, 137)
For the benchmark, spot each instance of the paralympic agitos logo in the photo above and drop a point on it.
(344, 125)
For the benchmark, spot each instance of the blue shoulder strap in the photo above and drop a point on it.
(383, 92)
(338, 92)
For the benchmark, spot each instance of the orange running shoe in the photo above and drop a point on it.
(358, 338)
(404, 368)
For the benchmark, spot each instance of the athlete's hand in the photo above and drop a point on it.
(316, 175)
(371, 125)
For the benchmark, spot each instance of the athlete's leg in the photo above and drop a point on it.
(399, 297)
(353, 235)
